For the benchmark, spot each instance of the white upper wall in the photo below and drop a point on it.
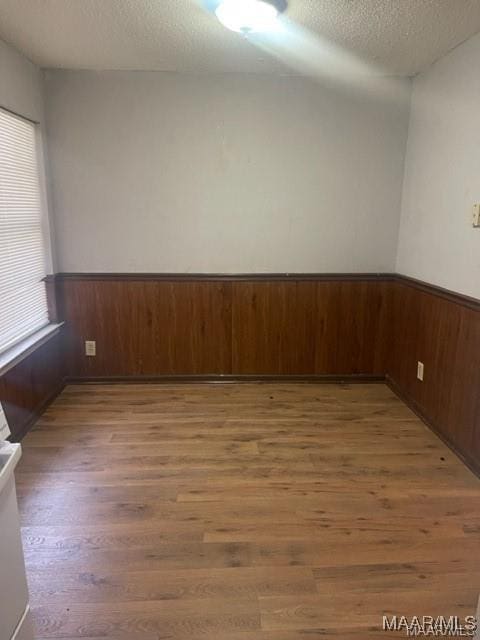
(21, 88)
(224, 173)
(442, 179)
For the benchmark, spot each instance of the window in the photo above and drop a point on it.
(23, 301)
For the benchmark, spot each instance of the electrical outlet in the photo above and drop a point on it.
(420, 370)
(476, 215)
(90, 348)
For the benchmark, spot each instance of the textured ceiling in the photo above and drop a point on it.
(391, 36)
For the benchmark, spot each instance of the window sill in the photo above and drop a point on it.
(23, 349)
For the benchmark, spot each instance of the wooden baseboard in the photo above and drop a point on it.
(411, 404)
(227, 379)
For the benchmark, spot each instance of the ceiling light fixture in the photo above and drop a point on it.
(250, 16)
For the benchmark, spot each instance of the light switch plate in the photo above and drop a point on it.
(476, 215)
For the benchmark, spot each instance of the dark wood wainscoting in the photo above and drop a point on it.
(337, 327)
(442, 330)
(29, 387)
(232, 326)
(147, 327)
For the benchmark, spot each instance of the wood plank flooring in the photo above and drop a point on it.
(242, 512)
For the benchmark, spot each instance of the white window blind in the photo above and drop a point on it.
(23, 303)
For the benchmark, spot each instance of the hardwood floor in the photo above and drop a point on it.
(242, 512)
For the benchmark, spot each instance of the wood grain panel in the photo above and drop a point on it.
(352, 327)
(273, 327)
(444, 334)
(295, 326)
(147, 327)
(28, 388)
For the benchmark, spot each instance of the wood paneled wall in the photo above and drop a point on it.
(31, 385)
(147, 327)
(442, 330)
(237, 326)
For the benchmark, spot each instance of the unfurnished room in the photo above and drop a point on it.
(239, 319)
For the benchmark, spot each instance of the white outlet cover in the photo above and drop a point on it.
(90, 348)
(420, 370)
(476, 215)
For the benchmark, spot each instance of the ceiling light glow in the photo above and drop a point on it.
(249, 16)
